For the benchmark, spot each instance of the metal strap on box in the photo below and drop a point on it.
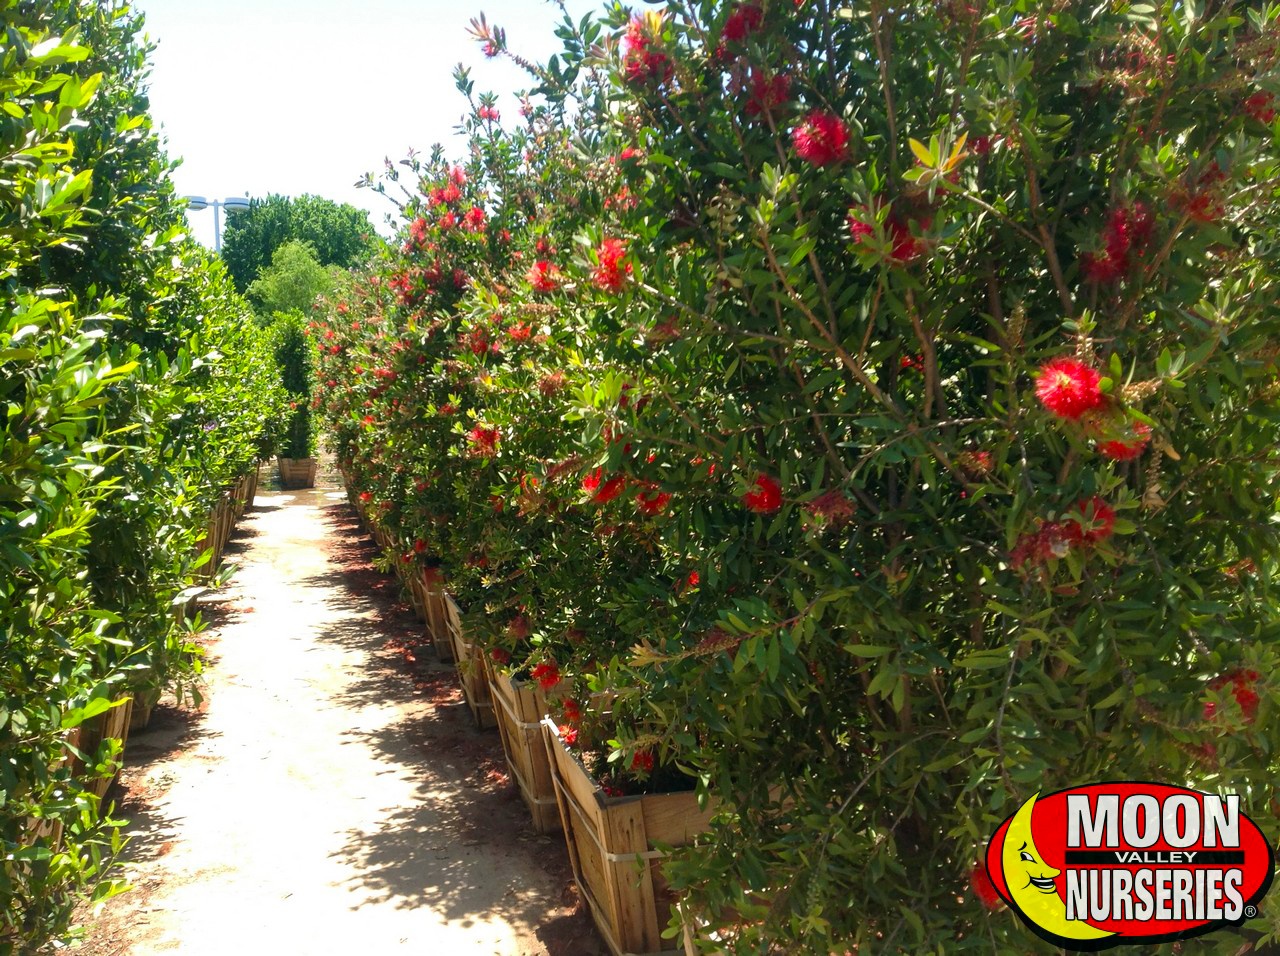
(522, 724)
(609, 857)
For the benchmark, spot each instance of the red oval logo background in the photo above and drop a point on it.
(1049, 819)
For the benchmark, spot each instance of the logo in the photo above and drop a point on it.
(1114, 864)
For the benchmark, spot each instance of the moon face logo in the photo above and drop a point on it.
(1032, 884)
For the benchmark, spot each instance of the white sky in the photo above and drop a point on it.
(305, 96)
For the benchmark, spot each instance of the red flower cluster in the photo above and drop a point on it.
(484, 441)
(611, 274)
(641, 63)
(1129, 447)
(569, 735)
(551, 383)
(766, 498)
(745, 19)
(500, 655)
(443, 195)
(1124, 238)
(903, 245)
(765, 93)
(543, 276)
(821, 139)
(1090, 522)
(1242, 689)
(983, 888)
(652, 502)
(547, 674)
(418, 231)
(642, 762)
(474, 219)
(831, 508)
(1261, 106)
(488, 113)
(520, 332)
(603, 490)
(1069, 388)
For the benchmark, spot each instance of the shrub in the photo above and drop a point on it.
(907, 443)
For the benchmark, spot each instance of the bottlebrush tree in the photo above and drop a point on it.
(970, 306)
(916, 374)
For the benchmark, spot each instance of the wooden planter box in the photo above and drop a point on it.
(612, 844)
(91, 733)
(297, 472)
(519, 711)
(471, 669)
(437, 611)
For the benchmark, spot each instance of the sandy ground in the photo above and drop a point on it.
(331, 795)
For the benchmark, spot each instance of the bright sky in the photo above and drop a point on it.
(305, 96)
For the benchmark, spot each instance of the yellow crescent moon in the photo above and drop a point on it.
(1030, 881)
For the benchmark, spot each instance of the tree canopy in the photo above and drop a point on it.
(339, 233)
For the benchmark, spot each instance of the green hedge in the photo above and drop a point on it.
(134, 392)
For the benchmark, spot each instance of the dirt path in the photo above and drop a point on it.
(332, 796)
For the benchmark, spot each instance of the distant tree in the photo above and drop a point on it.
(292, 281)
(339, 233)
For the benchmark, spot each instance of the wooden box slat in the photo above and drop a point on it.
(612, 849)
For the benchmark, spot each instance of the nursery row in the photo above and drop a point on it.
(136, 399)
(863, 419)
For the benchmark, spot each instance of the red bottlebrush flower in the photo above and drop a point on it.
(629, 153)
(981, 145)
(1127, 449)
(490, 49)
(543, 276)
(484, 441)
(742, 22)
(611, 274)
(419, 546)
(1091, 521)
(1125, 236)
(602, 489)
(1261, 107)
(519, 332)
(642, 762)
(366, 496)
(983, 888)
(906, 246)
(474, 220)
(547, 674)
(640, 62)
(766, 498)
(448, 220)
(1069, 388)
(569, 735)
(551, 383)
(975, 462)
(610, 489)
(500, 655)
(418, 232)
(488, 113)
(1242, 689)
(652, 502)
(693, 580)
(448, 408)
(860, 226)
(543, 247)
(765, 92)
(1051, 540)
(831, 508)
(821, 139)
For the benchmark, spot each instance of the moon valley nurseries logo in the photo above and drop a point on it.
(1114, 864)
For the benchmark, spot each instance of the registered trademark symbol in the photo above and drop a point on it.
(1250, 912)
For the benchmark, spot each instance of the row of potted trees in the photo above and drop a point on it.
(858, 422)
(138, 399)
